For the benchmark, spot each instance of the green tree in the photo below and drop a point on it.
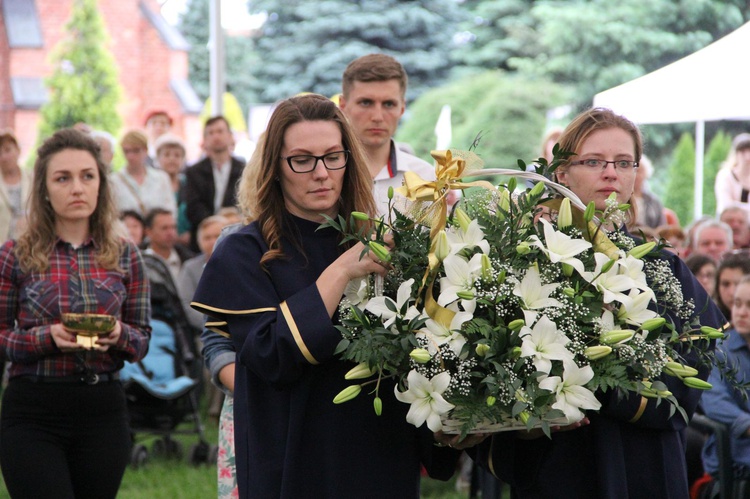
(598, 44)
(83, 86)
(306, 45)
(238, 54)
(715, 155)
(681, 175)
(508, 111)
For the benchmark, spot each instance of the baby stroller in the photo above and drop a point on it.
(164, 388)
(160, 396)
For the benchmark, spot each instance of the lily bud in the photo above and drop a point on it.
(588, 215)
(360, 371)
(652, 324)
(491, 401)
(462, 219)
(537, 190)
(515, 352)
(607, 266)
(623, 206)
(377, 404)
(679, 370)
(697, 383)
(380, 251)
(616, 336)
(523, 248)
(486, 266)
(569, 292)
(565, 215)
(642, 249)
(516, 324)
(390, 193)
(512, 183)
(501, 277)
(503, 203)
(567, 269)
(441, 246)
(712, 333)
(347, 394)
(597, 352)
(358, 215)
(482, 349)
(465, 295)
(420, 355)
(524, 415)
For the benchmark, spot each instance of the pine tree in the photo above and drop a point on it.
(715, 155)
(306, 45)
(83, 86)
(681, 176)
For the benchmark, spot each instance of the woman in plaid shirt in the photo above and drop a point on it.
(64, 427)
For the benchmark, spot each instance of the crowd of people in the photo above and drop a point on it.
(258, 286)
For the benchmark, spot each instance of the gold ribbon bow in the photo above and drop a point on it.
(450, 166)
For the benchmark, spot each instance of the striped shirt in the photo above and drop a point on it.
(74, 282)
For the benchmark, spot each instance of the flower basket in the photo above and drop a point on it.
(512, 311)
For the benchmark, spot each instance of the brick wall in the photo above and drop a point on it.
(145, 66)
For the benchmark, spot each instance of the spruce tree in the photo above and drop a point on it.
(306, 45)
(681, 176)
(83, 86)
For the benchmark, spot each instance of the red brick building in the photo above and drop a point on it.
(151, 58)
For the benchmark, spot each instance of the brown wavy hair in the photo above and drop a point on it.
(259, 194)
(36, 243)
(590, 121)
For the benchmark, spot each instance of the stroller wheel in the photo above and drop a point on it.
(198, 453)
(138, 456)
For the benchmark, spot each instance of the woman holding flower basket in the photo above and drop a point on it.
(634, 445)
(274, 287)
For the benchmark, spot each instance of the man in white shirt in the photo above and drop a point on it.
(374, 99)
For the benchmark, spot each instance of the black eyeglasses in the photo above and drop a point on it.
(619, 164)
(305, 163)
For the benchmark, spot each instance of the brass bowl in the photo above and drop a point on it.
(89, 324)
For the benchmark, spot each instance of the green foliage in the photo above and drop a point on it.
(240, 61)
(508, 110)
(84, 85)
(305, 46)
(716, 153)
(681, 177)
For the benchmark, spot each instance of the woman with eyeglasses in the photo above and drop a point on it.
(632, 447)
(274, 287)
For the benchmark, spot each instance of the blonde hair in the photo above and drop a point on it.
(36, 243)
(260, 195)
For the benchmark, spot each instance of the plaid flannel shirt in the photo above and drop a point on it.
(74, 282)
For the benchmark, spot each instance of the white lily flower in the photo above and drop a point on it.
(378, 305)
(437, 334)
(426, 399)
(356, 292)
(633, 268)
(561, 248)
(469, 238)
(544, 343)
(612, 283)
(634, 309)
(534, 295)
(460, 276)
(570, 393)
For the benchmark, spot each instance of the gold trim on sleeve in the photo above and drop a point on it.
(490, 461)
(201, 306)
(296, 334)
(641, 410)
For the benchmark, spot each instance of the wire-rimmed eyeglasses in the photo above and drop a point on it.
(305, 163)
(623, 165)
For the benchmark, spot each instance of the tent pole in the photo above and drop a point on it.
(700, 140)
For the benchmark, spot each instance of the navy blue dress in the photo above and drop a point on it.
(291, 440)
(619, 454)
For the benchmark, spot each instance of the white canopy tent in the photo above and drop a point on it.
(708, 85)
